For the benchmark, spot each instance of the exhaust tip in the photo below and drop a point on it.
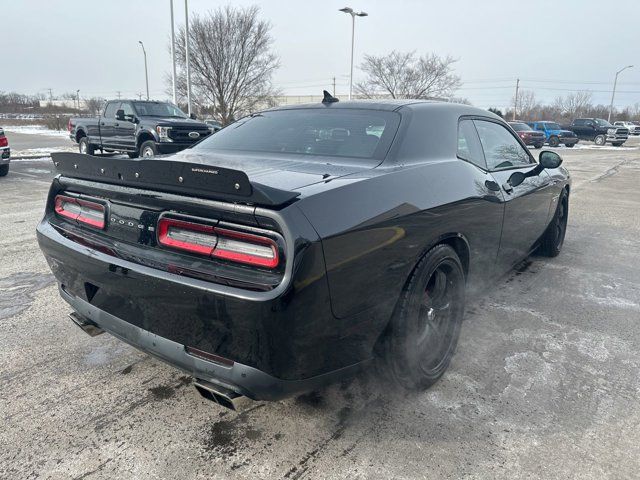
(222, 396)
(85, 324)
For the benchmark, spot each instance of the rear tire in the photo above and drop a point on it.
(600, 140)
(425, 326)
(553, 238)
(148, 149)
(538, 145)
(554, 141)
(85, 147)
(569, 145)
(4, 170)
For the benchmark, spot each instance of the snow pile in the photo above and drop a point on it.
(35, 130)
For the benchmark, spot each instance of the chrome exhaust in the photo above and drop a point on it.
(85, 324)
(221, 395)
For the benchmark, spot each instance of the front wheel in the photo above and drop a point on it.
(85, 147)
(4, 170)
(538, 145)
(600, 140)
(554, 141)
(148, 149)
(569, 145)
(425, 326)
(553, 237)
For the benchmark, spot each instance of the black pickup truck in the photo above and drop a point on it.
(139, 128)
(599, 131)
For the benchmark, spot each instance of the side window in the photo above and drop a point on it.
(128, 109)
(540, 127)
(469, 147)
(501, 149)
(110, 111)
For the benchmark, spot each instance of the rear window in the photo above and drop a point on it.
(364, 134)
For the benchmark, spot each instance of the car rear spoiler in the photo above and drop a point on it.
(192, 179)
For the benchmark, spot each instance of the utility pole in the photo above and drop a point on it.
(187, 42)
(78, 96)
(118, 94)
(50, 96)
(515, 104)
(173, 56)
(334, 86)
(139, 95)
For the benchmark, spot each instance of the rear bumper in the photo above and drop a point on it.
(5, 154)
(243, 379)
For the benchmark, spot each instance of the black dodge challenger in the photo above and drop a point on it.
(298, 244)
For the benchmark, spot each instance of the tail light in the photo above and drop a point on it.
(4, 141)
(81, 211)
(216, 242)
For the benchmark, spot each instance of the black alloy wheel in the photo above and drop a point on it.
(426, 325)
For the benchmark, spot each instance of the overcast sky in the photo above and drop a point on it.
(552, 46)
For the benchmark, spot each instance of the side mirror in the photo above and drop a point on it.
(120, 114)
(192, 116)
(549, 159)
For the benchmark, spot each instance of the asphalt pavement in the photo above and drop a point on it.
(545, 382)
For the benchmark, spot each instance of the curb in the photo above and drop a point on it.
(31, 157)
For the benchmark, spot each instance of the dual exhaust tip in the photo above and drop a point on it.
(222, 396)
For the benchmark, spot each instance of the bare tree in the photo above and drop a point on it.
(94, 105)
(574, 104)
(230, 60)
(402, 75)
(527, 105)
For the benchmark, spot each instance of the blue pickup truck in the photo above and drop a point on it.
(555, 134)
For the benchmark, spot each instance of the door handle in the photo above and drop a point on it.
(117, 125)
(507, 188)
(102, 124)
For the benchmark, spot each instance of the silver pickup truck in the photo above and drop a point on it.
(5, 154)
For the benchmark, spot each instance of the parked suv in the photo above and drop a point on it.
(139, 128)
(634, 128)
(599, 131)
(5, 154)
(554, 134)
(527, 134)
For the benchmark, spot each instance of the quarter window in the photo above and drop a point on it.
(501, 149)
(469, 147)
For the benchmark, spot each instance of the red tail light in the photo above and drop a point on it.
(217, 242)
(4, 141)
(81, 211)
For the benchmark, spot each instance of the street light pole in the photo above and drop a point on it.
(146, 72)
(187, 42)
(353, 14)
(173, 56)
(613, 94)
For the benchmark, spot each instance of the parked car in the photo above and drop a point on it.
(633, 127)
(139, 128)
(599, 131)
(293, 249)
(214, 125)
(528, 135)
(554, 134)
(5, 154)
